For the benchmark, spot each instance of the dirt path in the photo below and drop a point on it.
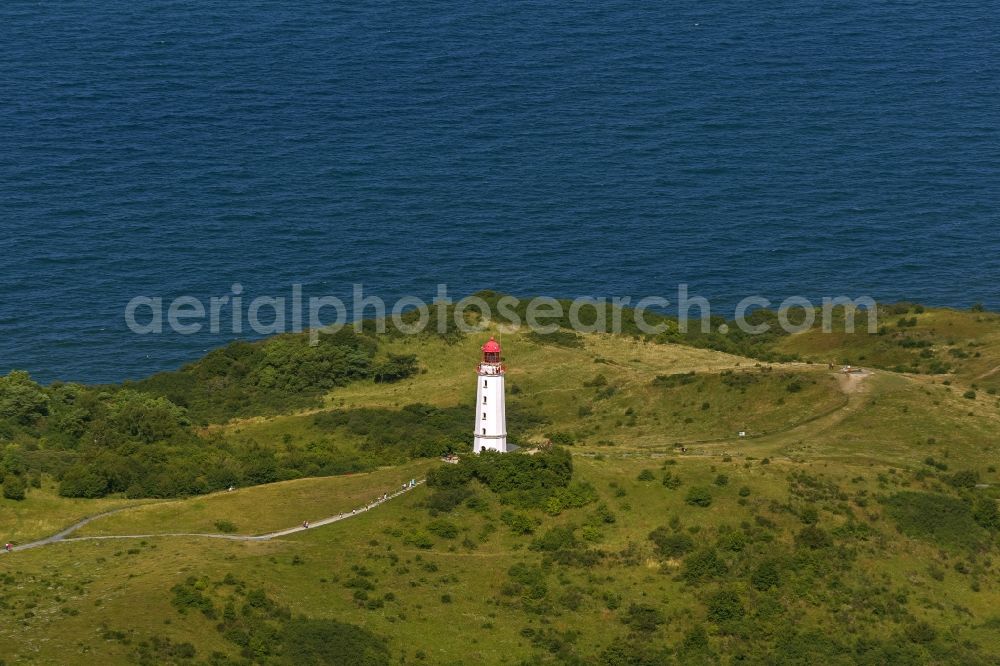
(989, 373)
(64, 534)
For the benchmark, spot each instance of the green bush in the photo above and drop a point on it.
(765, 576)
(669, 543)
(698, 496)
(671, 481)
(419, 539)
(225, 526)
(643, 618)
(449, 476)
(518, 523)
(813, 537)
(443, 528)
(446, 499)
(984, 512)
(573, 496)
(675, 380)
(964, 479)
(556, 538)
(725, 606)
(14, 487)
(702, 565)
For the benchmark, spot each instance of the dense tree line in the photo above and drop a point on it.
(141, 439)
(279, 374)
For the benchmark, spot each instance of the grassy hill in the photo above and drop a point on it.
(854, 523)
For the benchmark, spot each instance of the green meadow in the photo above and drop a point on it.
(853, 522)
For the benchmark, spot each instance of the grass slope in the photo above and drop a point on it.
(855, 496)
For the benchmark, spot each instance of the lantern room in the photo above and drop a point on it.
(491, 352)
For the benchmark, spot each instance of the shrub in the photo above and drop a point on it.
(526, 580)
(765, 576)
(698, 496)
(964, 479)
(969, 395)
(445, 499)
(675, 380)
(646, 475)
(920, 632)
(187, 596)
(419, 539)
(702, 565)
(643, 618)
(443, 528)
(561, 438)
(671, 481)
(744, 491)
(14, 487)
(449, 476)
(725, 606)
(573, 496)
(555, 538)
(813, 537)
(225, 526)
(721, 480)
(518, 523)
(984, 512)
(669, 543)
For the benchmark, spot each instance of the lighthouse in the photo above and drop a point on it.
(491, 414)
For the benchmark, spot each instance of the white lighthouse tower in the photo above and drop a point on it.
(491, 413)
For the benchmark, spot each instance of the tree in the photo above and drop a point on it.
(81, 481)
(14, 487)
(22, 400)
(145, 418)
(396, 367)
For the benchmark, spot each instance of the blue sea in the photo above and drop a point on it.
(175, 147)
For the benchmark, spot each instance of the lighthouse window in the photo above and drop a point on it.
(484, 416)
(484, 399)
(485, 384)
(484, 431)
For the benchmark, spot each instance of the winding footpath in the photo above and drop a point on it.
(64, 535)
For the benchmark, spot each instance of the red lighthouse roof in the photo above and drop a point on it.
(491, 347)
